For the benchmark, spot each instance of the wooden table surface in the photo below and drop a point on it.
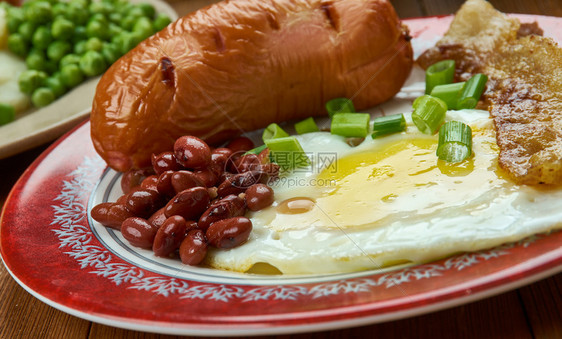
(533, 311)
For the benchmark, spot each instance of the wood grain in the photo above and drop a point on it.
(534, 311)
(475, 320)
(24, 316)
(543, 304)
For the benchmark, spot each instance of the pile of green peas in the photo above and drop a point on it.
(65, 42)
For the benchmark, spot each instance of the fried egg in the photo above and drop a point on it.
(390, 201)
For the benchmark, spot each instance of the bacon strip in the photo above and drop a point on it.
(524, 93)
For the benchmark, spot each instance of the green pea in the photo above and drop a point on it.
(18, 45)
(143, 27)
(122, 7)
(79, 34)
(38, 12)
(129, 41)
(57, 49)
(7, 113)
(80, 47)
(114, 30)
(135, 11)
(115, 17)
(62, 29)
(98, 17)
(42, 97)
(30, 80)
(161, 21)
(15, 18)
(98, 29)
(77, 13)
(51, 67)
(71, 76)
(26, 30)
(128, 22)
(54, 82)
(147, 9)
(59, 9)
(69, 59)
(111, 53)
(94, 44)
(80, 3)
(52, 2)
(92, 63)
(42, 37)
(36, 60)
(100, 7)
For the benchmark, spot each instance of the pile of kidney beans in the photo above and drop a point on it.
(192, 198)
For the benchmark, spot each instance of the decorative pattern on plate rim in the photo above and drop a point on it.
(70, 224)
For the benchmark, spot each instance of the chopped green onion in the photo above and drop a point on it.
(417, 102)
(256, 150)
(7, 113)
(388, 124)
(350, 124)
(306, 126)
(429, 114)
(440, 73)
(339, 105)
(472, 91)
(449, 93)
(287, 152)
(273, 131)
(455, 142)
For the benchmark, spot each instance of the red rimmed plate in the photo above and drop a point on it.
(54, 251)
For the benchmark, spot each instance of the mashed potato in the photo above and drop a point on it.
(10, 69)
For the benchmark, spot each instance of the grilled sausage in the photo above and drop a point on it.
(239, 65)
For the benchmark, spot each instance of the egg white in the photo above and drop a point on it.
(390, 201)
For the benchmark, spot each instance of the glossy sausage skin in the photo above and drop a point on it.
(239, 65)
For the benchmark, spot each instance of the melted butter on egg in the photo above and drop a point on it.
(390, 178)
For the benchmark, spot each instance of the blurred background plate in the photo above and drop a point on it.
(38, 126)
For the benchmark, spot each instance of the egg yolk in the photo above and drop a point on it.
(404, 178)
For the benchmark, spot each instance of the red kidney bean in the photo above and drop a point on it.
(193, 248)
(219, 159)
(191, 225)
(264, 156)
(259, 196)
(139, 232)
(240, 144)
(110, 214)
(222, 151)
(165, 161)
(272, 170)
(216, 169)
(229, 233)
(122, 200)
(143, 202)
(182, 180)
(169, 237)
(150, 182)
(240, 182)
(212, 192)
(248, 162)
(164, 184)
(192, 152)
(207, 177)
(225, 176)
(133, 178)
(190, 203)
(227, 207)
(158, 218)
